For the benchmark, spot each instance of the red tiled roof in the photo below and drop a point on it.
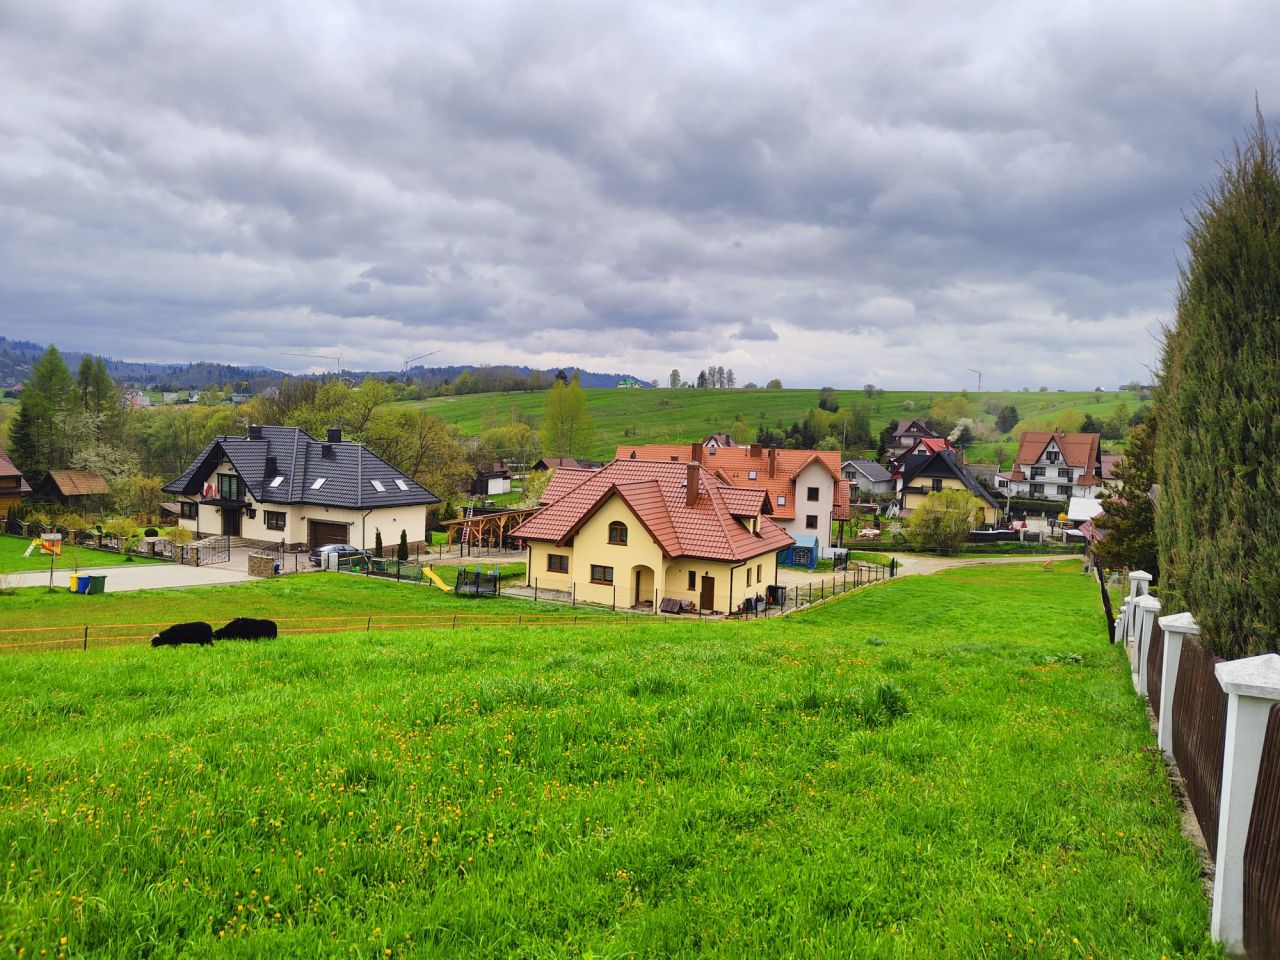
(655, 492)
(7, 469)
(562, 481)
(1109, 463)
(1078, 449)
(78, 483)
(734, 466)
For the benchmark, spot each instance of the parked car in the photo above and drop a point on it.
(344, 551)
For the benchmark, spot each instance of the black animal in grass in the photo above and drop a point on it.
(245, 628)
(180, 633)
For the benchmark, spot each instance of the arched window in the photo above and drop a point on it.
(618, 532)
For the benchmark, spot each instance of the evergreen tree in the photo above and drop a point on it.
(1007, 418)
(41, 435)
(1129, 520)
(377, 543)
(702, 379)
(402, 551)
(1217, 450)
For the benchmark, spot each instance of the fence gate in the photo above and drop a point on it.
(213, 550)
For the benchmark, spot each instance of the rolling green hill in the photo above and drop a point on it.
(669, 416)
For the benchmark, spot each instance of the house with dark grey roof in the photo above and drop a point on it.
(928, 473)
(281, 484)
(866, 477)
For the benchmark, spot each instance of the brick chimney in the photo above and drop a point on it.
(695, 452)
(755, 450)
(692, 476)
(773, 461)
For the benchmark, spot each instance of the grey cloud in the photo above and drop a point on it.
(903, 191)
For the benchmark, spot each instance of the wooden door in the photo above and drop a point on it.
(230, 522)
(708, 593)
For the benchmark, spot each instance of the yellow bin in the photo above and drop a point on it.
(75, 583)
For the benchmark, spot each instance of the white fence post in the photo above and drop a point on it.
(1176, 628)
(1139, 585)
(1253, 687)
(1148, 612)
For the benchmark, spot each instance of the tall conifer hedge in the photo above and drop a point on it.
(1218, 437)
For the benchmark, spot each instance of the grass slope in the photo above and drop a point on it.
(640, 416)
(845, 783)
(326, 595)
(73, 558)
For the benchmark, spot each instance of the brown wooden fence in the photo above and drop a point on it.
(1199, 735)
(1262, 852)
(1155, 666)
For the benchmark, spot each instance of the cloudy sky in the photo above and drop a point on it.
(828, 192)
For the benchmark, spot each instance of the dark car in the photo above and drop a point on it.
(345, 552)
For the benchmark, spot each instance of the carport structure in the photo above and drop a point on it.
(486, 529)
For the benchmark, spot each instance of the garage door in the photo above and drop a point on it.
(325, 533)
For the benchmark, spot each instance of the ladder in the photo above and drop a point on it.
(466, 527)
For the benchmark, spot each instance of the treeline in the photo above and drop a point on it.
(78, 422)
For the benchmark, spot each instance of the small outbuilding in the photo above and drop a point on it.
(81, 490)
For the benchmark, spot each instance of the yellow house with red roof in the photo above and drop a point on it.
(638, 532)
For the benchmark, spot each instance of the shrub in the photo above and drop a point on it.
(179, 536)
(402, 551)
(151, 532)
(1218, 405)
(377, 543)
(945, 519)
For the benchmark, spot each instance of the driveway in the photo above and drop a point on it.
(140, 576)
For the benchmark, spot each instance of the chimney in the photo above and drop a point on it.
(271, 469)
(255, 432)
(755, 450)
(695, 452)
(773, 461)
(691, 484)
(335, 434)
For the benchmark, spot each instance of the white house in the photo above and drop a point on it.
(1058, 466)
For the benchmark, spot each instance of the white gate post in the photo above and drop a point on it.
(1253, 687)
(1148, 613)
(1176, 628)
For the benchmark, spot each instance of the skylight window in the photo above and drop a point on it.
(402, 485)
(751, 474)
(276, 482)
(319, 483)
(782, 499)
(377, 485)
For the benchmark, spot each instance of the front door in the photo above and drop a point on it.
(230, 522)
(708, 593)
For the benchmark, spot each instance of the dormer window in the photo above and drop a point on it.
(319, 483)
(1052, 456)
(377, 485)
(618, 533)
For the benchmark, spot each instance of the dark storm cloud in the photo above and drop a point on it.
(889, 191)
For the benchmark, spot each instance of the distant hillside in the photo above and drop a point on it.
(676, 416)
(17, 356)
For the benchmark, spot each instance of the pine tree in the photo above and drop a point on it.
(41, 433)
(1129, 520)
(1217, 449)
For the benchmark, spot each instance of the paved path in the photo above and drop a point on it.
(139, 576)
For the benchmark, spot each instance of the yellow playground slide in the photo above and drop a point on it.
(435, 578)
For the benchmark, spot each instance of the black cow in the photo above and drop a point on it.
(244, 628)
(180, 633)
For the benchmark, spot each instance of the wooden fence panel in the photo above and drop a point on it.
(1155, 666)
(1262, 852)
(1199, 735)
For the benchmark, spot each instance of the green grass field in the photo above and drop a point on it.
(669, 416)
(848, 782)
(73, 558)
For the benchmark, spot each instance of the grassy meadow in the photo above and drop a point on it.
(73, 558)
(847, 782)
(669, 416)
